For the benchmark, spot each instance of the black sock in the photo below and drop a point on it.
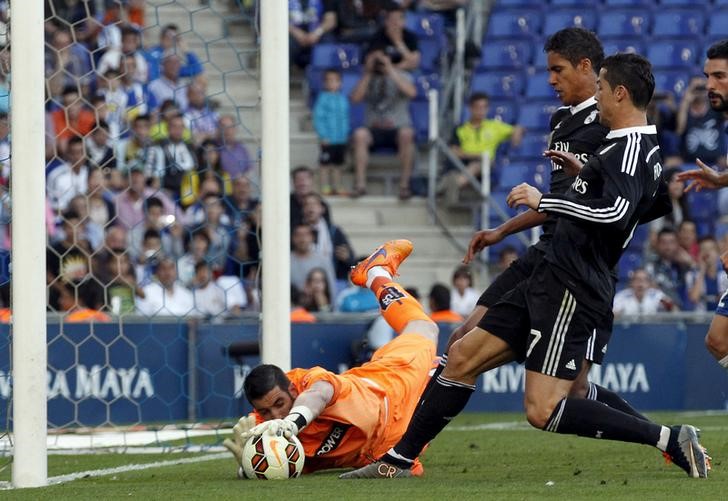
(446, 400)
(589, 418)
(603, 395)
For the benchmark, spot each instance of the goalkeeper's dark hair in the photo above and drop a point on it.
(263, 379)
(719, 50)
(634, 73)
(575, 44)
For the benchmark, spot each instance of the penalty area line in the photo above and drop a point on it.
(61, 479)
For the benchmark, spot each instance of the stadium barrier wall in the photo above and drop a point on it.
(105, 374)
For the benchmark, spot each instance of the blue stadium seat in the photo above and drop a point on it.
(675, 81)
(673, 54)
(502, 54)
(558, 19)
(629, 3)
(420, 113)
(356, 115)
(425, 82)
(718, 22)
(519, 3)
(684, 3)
(538, 86)
(629, 262)
(341, 56)
(641, 235)
(535, 116)
(425, 25)
(430, 51)
(513, 174)
(703, 205)
(498, 196)
(627, 22)
(510, 241)
(514, 22)
(498, 84)
(532, 146)
(575, 3)
(503, 110)
(678, 23)
(634, 45)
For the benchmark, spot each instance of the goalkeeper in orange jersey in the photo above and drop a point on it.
(349, 419)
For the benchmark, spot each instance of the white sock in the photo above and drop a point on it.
(376, 271)
(724, 362)
(664, 438)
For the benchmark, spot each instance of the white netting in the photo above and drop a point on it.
(152, 180)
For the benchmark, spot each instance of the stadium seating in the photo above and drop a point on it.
(678, 23)
(575, 3)
(538, 86)
(703, 205)
(420, 113)
(630, 261)
(627, 22)
(513, 174)
(519, 3)
(634, 45)
(430, 52)
(532, 147)
(339, 56)
(539, 56)
(673, 54)
(506, 54)
(503, 110)
(684, 3)
(510, 241)
(561, 18)
(628, 3)
(515, 22)
(498, 84)
(425, 25)
(718, 22)
(675, 81)
(535, 116)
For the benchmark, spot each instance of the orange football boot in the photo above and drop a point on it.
(389, 256)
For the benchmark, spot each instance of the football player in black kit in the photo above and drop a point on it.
(547, 321)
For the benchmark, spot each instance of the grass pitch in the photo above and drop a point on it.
(481, 456)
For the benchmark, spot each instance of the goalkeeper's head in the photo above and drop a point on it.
(269, 391)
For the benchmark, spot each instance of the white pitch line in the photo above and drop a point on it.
(507, 425)
(124, 469)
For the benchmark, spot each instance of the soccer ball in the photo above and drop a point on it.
(272, 457)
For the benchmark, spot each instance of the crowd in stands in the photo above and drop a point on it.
(152, 198)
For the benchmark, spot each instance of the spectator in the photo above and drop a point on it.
(202, 119)
(148, 257)
(299, 314)
(67, 263)
(72, 119)
(130, 202)
(440, 305)
(386, 92)
(198, 249)
(687, 237)
(316, 291)
(130, 46)
(165, 295)
(331, 121)
(305, 258)
(669, 266)
(356, 299)
(233, 155)
(115, 244)
(99, 150)
(707, 281)
(700, 127)
(662, 111)
(100, 200)
(302, 180)
(471, 139)
(641, 297)
(88, 308)
(196, 214)
(155, 219)
(139, 101)
(217, 229)
(138, 149)
(135, 13)
(93, 233)
(244, 254)
(171, 42)
(680, 209)
(116, 102)
(169, 84)
(213, 298)
(209, 169)
(396, 42)
(67, 64)
(463, 297)
(160, 130)
(330, 240)
(70, 178)
(356, 21)
(506, 256)
(240, 202)
(178, 162)
(308, 22)
(121, 285)
(4, 149)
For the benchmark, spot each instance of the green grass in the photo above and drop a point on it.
(484, 464)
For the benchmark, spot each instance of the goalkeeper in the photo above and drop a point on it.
(349, 420)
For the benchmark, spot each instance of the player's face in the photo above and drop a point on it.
(566, 79)
(276, 404)
(716, 70)
(605, 99)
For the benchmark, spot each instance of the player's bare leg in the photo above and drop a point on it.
(717, 339)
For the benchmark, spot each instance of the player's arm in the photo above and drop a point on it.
(662, 205)
(484, 238)
(704, 177)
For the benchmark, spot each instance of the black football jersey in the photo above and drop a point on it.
(598, 214)
(579, 133)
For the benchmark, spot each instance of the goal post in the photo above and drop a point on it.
(29, 353)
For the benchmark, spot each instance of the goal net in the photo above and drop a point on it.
(152, 216)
